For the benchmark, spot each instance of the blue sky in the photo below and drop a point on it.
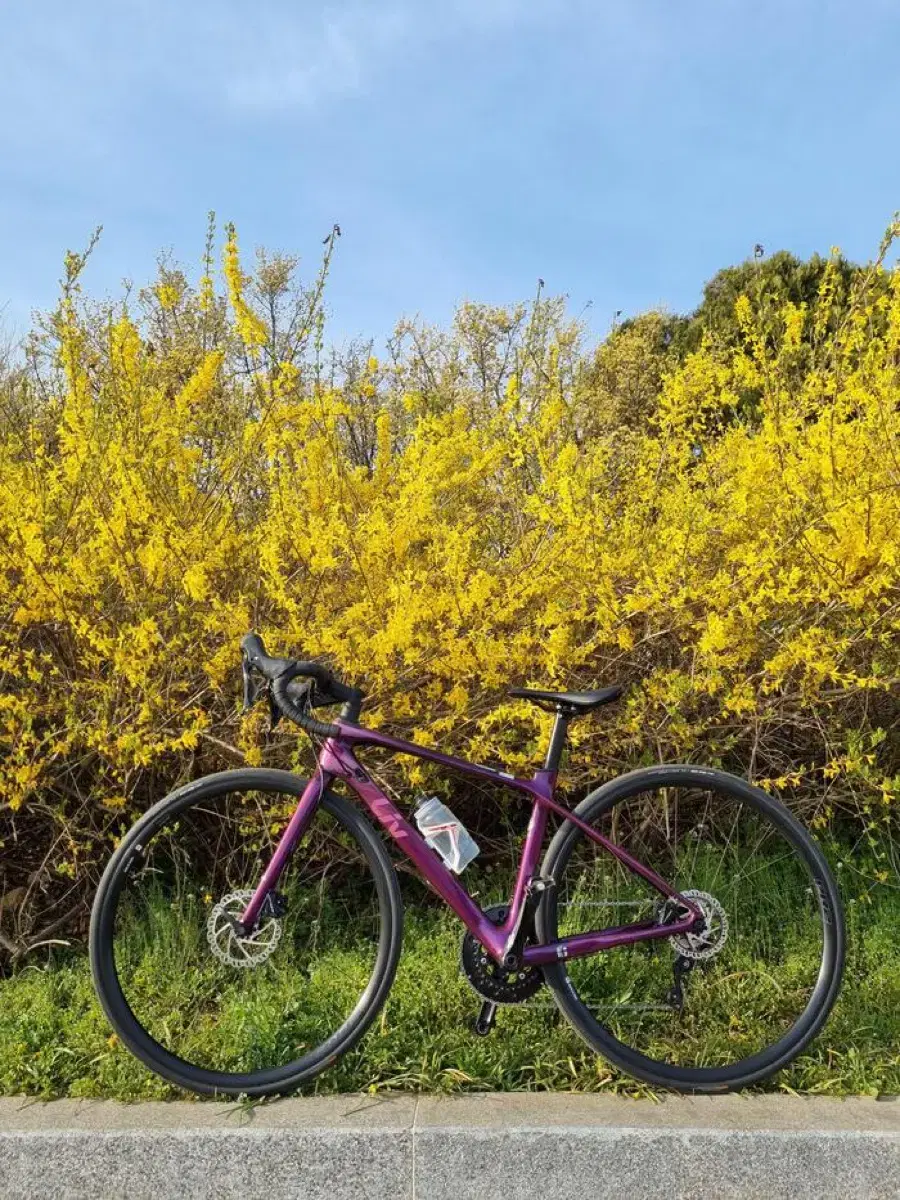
(622, 151)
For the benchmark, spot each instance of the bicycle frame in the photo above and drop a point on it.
(338, 761)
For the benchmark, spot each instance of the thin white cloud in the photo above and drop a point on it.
(72, 74)
(308, 59)
(347, 48)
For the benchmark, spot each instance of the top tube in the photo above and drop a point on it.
(543, 783)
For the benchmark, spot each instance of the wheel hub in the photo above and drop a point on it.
(246, 951)
(705, 942)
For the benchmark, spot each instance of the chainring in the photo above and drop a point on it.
(489, 979)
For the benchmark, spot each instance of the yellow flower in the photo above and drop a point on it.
(250, 327)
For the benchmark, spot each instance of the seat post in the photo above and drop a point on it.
(557, 739)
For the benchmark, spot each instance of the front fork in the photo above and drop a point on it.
(293, 832)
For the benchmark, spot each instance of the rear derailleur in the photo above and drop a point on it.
(675, 995)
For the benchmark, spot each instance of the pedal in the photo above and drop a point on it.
(484, 1022)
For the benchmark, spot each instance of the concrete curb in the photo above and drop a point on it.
(510, 1146)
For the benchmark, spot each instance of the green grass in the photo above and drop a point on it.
(54, 1041)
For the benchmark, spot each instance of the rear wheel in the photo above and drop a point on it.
(722, 1008)
(211, 1009)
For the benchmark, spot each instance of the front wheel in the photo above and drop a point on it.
(730, 1004)
(214, 1010)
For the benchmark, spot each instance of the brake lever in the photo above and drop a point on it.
(252, 689)
(274, 710)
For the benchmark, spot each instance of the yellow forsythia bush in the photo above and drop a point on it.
(478, 510)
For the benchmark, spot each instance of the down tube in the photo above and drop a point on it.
(433, 870)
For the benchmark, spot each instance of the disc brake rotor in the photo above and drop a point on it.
(704, 943)
(228, 945)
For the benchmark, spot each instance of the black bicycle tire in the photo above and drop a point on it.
(766, 1062)
(272, 1080)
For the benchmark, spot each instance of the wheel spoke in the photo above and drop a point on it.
(759, 961)
(241, 1004)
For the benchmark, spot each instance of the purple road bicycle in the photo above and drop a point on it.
(685, 923)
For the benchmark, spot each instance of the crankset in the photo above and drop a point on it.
(511, 983)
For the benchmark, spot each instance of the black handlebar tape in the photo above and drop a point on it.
(330, 688)
(290, 709)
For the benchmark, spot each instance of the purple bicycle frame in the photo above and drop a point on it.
(338, 761)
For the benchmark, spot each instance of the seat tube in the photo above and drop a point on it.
(557, 740)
